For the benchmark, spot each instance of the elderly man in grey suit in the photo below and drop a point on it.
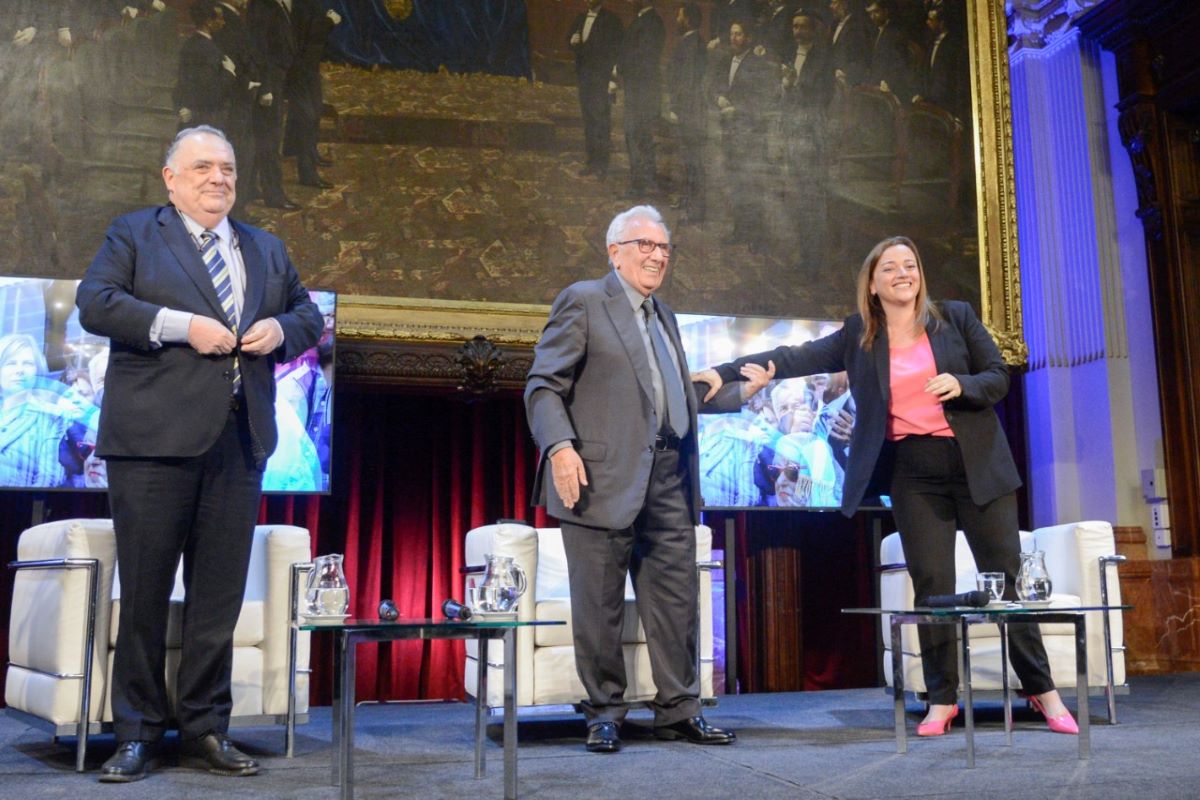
(611, 408)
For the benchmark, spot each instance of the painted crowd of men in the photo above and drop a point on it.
(246, 61)
(764, 67)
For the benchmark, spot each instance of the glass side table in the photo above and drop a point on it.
(1001, 616)
(351, 632)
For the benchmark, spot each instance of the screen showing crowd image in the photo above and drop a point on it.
(787, 447)
(52, 388)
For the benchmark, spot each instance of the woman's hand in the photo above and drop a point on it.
(710, 377)
(944, 386)
(756, 378)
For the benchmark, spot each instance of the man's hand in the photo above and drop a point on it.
(64, 37)
(842, 426)
(756, 378)
(710, 377)
(944, 386)
(185, 115)
(334, 17)
(209, 337)
(576, 39)
(159, 5)
(569, 475)
(713, 44)
(24, 36)
(883, 86)
(264, 337)
(672, 118)
(252, 85)
(129, 12)
(266, 100)
(228, 65)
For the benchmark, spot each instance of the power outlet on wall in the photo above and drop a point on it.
(1162, 537)
(1160, 516)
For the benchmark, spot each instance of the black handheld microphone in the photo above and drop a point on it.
(974, 598)
(388, 611)
(456, 610)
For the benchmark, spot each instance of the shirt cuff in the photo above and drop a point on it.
(169, 326)
(554, 448)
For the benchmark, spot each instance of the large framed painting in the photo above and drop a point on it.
(469, 156)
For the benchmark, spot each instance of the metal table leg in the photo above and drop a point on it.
(898, 686)
(510, 714)
(1081, 685)
(346, 751)
(968, 700)
(339, 644)
(481, 705)
(1005, 685)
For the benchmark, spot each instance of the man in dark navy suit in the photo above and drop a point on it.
(641, 76)
(595, 39)
(198, 309)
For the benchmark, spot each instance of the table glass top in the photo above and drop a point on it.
(1007, 609)
(475, 623)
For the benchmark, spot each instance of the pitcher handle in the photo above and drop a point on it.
(522, 583)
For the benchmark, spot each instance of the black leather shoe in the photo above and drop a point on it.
(603, 738)
(217, 754)
(696, 730)
(130, 763)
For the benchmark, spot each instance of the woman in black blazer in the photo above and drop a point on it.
(925, 378)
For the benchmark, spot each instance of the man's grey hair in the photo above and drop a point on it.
(622, 221)
(169, 161)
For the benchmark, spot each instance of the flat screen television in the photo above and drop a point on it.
(787, 447)
(52, 387)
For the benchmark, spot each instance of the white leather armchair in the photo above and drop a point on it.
(546, 674)
(1080, 558)
(63, 628)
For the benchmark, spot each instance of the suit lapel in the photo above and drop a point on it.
(181, 244)
(883, 365)
(937, 343)
(625, 324)
(255, 264)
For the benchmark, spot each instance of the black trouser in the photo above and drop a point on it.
(203, 508)
(659, 549)
(641, 115)
(596, 108)
(930, 501)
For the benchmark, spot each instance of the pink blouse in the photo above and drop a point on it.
(912, 410)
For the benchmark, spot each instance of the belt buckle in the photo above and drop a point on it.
(667, 442)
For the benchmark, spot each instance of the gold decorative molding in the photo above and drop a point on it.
(995, 189)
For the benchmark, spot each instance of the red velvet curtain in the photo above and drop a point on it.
(412, 474)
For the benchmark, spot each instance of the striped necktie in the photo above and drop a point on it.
(222, 280)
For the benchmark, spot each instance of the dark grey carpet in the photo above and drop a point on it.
(836, 744)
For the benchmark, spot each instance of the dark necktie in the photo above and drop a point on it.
(222, 280)
(676, 414)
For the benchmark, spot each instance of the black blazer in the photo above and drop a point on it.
(171, 401)
(595, 58)
(961, 346)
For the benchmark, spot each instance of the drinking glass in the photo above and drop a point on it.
(992, 583)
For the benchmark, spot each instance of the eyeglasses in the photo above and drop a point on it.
(791, 472)
(648, 245)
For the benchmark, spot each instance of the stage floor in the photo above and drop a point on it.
(836, 744)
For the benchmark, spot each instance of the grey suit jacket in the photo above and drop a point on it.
(590, 384)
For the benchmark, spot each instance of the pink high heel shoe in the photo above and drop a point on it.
(1064, 723)
(937, 727)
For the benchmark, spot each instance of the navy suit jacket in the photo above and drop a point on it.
(961, 346)
(590, 384)
(171, 401)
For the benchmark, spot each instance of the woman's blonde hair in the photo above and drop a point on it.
(869, 305)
